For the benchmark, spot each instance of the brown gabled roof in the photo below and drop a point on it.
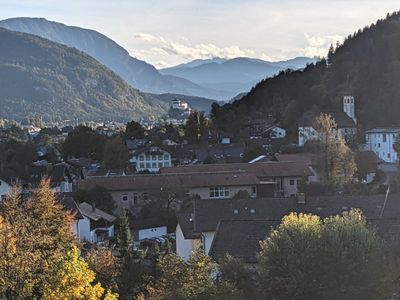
(207, 213)
(147, 223)
(71, 206)
(185, 221)
(94, 213)
(156, 181)
(240, 238)
(261, 170)
(309, 159)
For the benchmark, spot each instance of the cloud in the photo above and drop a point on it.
(146, 37)
(319, 45)
(183, 49)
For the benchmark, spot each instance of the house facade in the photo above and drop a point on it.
(381, 142)
(96, 226)
(151, 159)
(282, 176)
(132, 192)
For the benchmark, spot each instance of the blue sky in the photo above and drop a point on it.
(168, 32)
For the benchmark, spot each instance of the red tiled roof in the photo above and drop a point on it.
(261, 170)
(156, 181)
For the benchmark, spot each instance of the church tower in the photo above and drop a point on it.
(348, 107)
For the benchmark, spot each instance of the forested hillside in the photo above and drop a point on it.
(366, 65)
(42, 78)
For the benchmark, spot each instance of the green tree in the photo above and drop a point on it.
(288, 265)
(234, 272)
(124, 235)
(253, 151)
(134, 130)
(116, 154)
(99, 196)
(340, 257)
(84, 142)
(196, 128)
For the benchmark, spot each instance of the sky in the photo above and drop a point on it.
(170, 32)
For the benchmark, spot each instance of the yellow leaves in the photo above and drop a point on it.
(75, 282)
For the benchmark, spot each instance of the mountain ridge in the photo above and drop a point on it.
(237, 75)
(38, 76)
(137, 73)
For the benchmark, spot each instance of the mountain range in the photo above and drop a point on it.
(39, 77)
(233, 76)
(217, 78)
(137, 73)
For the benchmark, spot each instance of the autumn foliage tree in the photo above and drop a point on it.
(337, 164)
(37, 246)
(194, 279)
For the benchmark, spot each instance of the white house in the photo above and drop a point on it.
(5, 189)
(96, 225)
(345, 120)
(187, 241)
(381, 141)
(274, 132)
(151, 159)
(148, 228)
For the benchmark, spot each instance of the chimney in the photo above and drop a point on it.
(93, 206)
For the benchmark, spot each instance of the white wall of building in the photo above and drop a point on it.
(306, 134)
(382, 144)
(84, 233)
(184, 247)
(204, 192)
(152, 162)
(5, 189)
(278, 133)
(208, 237)
(149, 233)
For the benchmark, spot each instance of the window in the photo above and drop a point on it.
(124, 197)
(142, 165)
(159, 157)
(384, 138)
(166, 157)
(154, 157)
(135, 198)
(154, 165)
(147, 157)
(388, 155)
(148, 165)
(253, 190)
(160, 164)
(141, 157)
(145, 196)
(298, 182)
(379, 145)
(291, 181)
(219, 192)
(166, 164)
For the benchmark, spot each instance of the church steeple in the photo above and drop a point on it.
(348, 107)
